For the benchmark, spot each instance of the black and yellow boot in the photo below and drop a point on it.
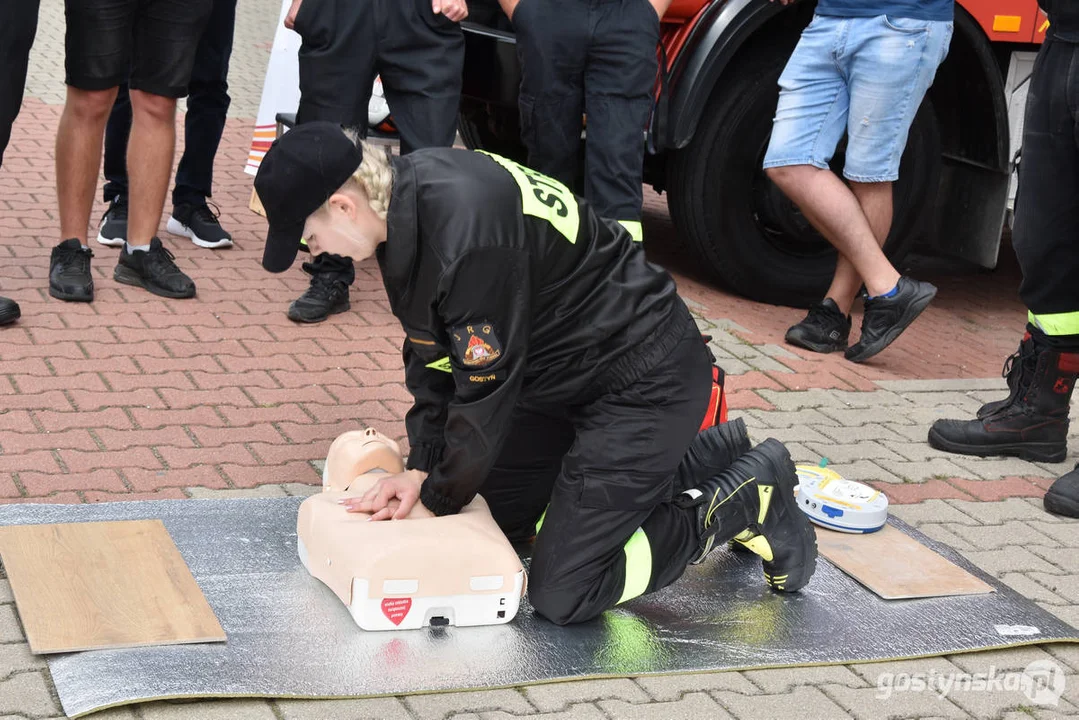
(753, 503)
(1032, 423)
(711, 452)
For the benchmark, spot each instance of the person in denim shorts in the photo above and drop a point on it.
(861, 67)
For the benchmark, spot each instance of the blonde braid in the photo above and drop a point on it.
(374, 175)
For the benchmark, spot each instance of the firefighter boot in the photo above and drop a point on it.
(1032, 426)
(711, 452)
(1019, 365)
(1062, 497)
(753, 502)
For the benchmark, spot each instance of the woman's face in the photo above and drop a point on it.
(347, 226)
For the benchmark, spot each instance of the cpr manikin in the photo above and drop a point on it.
(404, 574)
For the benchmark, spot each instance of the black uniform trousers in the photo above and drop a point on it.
(597, 57)
(418, 55)
(204, 122)
(18, 26)
(1046, 232)
(606, 469)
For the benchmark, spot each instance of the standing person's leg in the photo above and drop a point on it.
(97, 61)
(18, 26)
(552, 44)
(618, 81)
(207, 107)
(420, 60)
(337, 69)
(1032, 422)
(166, 35)
(112, 231)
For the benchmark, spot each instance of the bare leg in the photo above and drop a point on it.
(78, 157)
(876, 202)
(834, 210)
(149, 163)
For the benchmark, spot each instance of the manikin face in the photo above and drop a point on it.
(347, 226)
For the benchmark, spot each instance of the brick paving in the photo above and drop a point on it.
(135, 397)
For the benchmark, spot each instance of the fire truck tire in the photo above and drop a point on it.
(740, 228)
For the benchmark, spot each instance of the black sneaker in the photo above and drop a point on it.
(327, 295)
(752, 502)
(154, 269)
(885, 318)
(113, 229)
(1062, 498)
(9, 311)
(199, 223)
(69, 272)
(824, 330)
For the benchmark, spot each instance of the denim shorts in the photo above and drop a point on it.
(863, 75)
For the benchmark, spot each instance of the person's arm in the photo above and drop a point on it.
(485, 301)
(456, 10)
(428, 378)
(290, 17)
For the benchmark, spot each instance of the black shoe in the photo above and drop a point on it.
(1062, 498)
(824, 330)
(9, 311)
(753, 502)
(113, 229)
(1033, 422)
(154, 269)
(885, 318)
(710, 453)
(1018, 369)
(327, 295)
(69, 272)
(199, 223)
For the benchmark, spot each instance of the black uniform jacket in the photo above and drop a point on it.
(1063, 18)
(510, 289)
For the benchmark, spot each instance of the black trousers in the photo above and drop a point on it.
(18, 26)
(207, 106)
(606, 470)
(419, 56)
(597, 57)
(1046, 232)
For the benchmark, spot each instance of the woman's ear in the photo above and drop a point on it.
(341, 202)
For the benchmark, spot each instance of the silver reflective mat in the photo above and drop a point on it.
(289, 636)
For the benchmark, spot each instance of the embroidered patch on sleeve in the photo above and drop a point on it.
(475, 345)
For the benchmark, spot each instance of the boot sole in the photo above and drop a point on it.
(175, 227)
(823, 348)
(72, 297)
(335, 310)
(11, 316)
(1058, 505)
(127, 276)
(110, 242)
(1031, 452)
(910, 315)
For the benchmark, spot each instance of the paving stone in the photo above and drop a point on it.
(856, 418)
(126, 712)
(262, 491)
(926, 416)
(796, 433)
(1067, 613)
(864, 470)
(944, 398)
(806, 702)
(1065, 534)
(366, 709)
(871, 672)
(878, 703)
(27, 693)
(920, 471)
(911, 432)
(853, 452)
(783, 680)
(916, 451)
(10, 629)
(693, 706)
(778, 352)
(960, 384)
(871, 431)
(996, 513)
(802, 455)
(6, 595)
(1045, 591)
(1011, 558)
(1066, 559)
(995, 468)
(16, 657)
(301, 489)
(946, 533)
(208, 710)
(1000, 660)
(873, 399)
(766, 364)
(931, 511)
(802, 399)
(1066, 653)
(585, 711)
(1012, 532)
(437, 707)
(672, 687)
(785, 419)
(557, 696)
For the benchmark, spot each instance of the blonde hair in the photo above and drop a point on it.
(374, 175)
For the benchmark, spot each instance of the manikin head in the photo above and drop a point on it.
(318, 182)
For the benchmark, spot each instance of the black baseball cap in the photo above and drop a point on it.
(298, 174)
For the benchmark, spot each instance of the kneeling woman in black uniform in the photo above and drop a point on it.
(555, 371)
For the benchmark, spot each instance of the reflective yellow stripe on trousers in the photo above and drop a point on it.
(1057, 323)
